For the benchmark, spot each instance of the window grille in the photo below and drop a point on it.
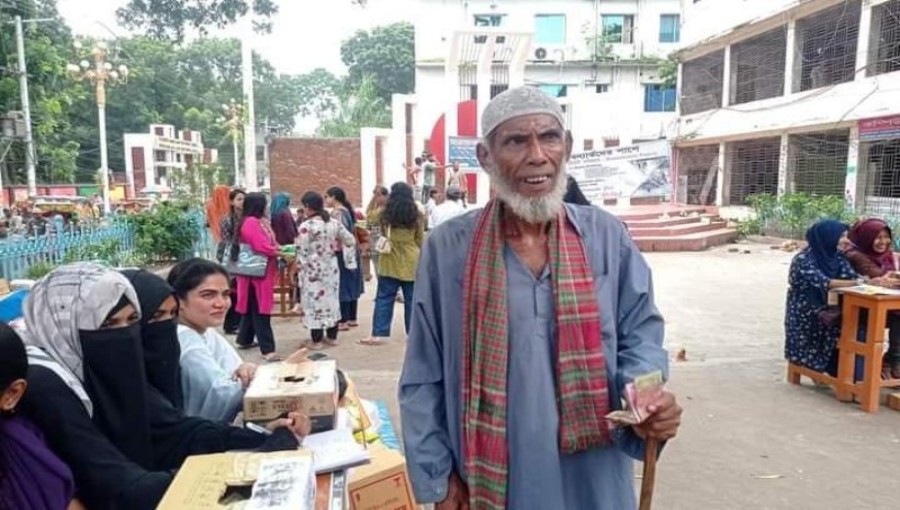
(826, 44)
(702, 83)
(753, 169)
(757, 67)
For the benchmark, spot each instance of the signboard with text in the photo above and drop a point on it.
(640, 170)
(462, 149)
(882, 128)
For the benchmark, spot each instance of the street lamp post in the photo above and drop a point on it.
(234, 113)
(101, 73)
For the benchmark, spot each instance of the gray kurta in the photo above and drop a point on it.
(430, 388)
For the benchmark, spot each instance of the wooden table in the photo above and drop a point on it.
(868, 391)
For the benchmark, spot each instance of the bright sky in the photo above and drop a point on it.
(303, 37)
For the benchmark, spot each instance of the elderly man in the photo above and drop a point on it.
(530, 318)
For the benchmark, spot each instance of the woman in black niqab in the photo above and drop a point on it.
(159, 333)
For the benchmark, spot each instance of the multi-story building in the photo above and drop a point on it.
(152, 157)
(602, 58)
(804, 98)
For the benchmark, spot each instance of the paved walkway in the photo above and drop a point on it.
(749, 441)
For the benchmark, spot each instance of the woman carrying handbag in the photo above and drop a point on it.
(254, 262)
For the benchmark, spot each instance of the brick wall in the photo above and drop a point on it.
(298, 165)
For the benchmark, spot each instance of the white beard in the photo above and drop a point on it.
(532, 210)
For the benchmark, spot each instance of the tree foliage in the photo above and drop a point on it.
(387, 54)
(360, 107)
(170, 19)
(51, 92)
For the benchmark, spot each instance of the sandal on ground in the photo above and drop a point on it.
(343, 327)
(331, 343)
(353, 324)
(371, 342)
(244, 347)
(315, 346)
(272, 357)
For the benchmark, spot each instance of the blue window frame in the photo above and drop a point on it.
(669, 28)
(618, 28)
(488, 20)
(555, 90)
(659, 98)
(550, 29)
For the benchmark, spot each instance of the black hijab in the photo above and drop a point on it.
(162, 352)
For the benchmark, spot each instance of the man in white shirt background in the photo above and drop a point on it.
(451, 208)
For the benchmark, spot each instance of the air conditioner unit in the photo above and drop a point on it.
(541, 54)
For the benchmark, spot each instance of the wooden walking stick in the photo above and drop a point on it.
(648, 481)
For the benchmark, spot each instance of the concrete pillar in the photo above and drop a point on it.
(862, 44)
(726, 78)
(722, 184)
(367, 141)
(679, 79)
(851, 190)
(785, 179)
(790, 57)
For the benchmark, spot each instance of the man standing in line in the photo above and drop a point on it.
(530, 318)
(449, 209)
(429, 171)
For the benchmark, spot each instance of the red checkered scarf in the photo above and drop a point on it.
(581, 391)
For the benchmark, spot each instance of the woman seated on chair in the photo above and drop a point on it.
(812, 329)
(872, 255)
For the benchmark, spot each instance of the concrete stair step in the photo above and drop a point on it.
(697, 241)
(677, 230)
(652, 213)
(660, 222)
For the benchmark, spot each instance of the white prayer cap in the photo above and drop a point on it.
(519, 102)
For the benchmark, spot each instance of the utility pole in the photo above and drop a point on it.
(251, 180)
(99, 75)
(30, 154)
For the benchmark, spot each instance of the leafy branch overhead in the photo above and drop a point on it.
(170, 19)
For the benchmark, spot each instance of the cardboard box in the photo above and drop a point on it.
(381, 484)
(205, 481)
(310, 388)
(893, 401)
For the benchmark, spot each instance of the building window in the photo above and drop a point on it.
(601, 88)
(550, 29)
(555, 90)
(618, 28)
(659, 98)
(160, 156)
(701, 83)
(884, 41)
(826, 43)
(260, 153)
(488, 20)
(498, 89)
(669, 28)
(757, 67)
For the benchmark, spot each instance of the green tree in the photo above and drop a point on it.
(169, 19)
(387, 54)
(51, 91)
(360, 107)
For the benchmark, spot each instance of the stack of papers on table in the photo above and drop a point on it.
(873, 290)
(335, 450)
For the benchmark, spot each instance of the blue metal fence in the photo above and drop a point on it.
(18, 254)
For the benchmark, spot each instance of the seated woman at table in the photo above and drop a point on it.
(88, 393)
(872, 256)
(810, 338)
(213, 375)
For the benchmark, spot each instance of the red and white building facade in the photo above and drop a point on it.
(152, 158)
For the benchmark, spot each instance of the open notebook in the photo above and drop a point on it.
(335, 450)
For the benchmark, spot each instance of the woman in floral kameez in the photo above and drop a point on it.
(318, 242)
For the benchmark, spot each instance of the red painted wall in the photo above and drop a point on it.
(466, 125)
